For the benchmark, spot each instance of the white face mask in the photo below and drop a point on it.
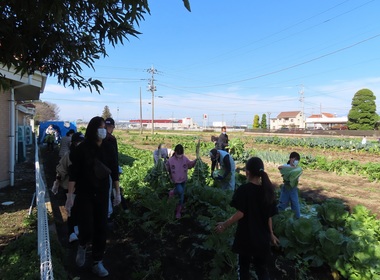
(295, 162)
(102, 133)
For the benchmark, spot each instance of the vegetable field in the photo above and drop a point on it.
(335, 236)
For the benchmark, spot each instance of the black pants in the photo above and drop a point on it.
(259, 264)
(92, 213)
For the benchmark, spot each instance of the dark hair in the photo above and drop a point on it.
(255, 166)
(71, 131)
(295, 155)
(91, 134)
(178, 150)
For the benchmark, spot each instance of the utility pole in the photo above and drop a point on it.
(302, 100)
(152, 89)
(117, 116)
(141, 125)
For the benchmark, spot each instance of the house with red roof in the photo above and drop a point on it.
(326, 121)
(288, 120)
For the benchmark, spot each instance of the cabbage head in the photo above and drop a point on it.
(333, 212)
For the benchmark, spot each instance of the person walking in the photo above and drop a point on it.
(110, 143)
(227, 167)
(290, 173)
(255, 204)
(62, 179)
(177, 166)
(89, 177)
(65, 143)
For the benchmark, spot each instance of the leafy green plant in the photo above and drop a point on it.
(20, 260)
(333, 212)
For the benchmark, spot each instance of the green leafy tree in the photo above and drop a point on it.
(362, 115)
(256, 122)
(263, 123)
(58, 38)
(106, 113)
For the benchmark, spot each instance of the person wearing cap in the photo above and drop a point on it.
(227, 167)
(62, 179)
(110, 142)
(65, 143)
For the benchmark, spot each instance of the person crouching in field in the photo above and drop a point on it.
(290, 173)
(177, 166)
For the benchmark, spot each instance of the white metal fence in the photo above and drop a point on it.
(46, 266)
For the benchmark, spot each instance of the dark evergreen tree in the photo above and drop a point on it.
(362, 115)
(263, 121)
(106, 113)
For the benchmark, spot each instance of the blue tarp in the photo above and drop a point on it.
(62, 127)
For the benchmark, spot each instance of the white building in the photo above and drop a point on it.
(290, 120)
(185, 123)
(326, 121)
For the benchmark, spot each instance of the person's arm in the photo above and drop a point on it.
(155, 156)
(117, 198)
(191, 163)
(213, 164)
(273, 237)
(227, 165)
(222, 226)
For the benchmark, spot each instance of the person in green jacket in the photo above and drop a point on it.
(290, 173)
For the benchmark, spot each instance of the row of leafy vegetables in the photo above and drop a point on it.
(347, 144)
(325, 234)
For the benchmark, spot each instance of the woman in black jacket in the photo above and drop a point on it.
(92, 165)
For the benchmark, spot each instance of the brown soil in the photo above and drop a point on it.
(314, 185)
(12, 217)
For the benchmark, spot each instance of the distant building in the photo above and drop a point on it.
(218, 124)
(185, 123)
(326, 121)
(288, 120)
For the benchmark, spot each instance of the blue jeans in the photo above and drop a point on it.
(179, 189)
(289, 195)
(110, 208)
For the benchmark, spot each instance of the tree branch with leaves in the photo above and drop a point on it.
(59, 38)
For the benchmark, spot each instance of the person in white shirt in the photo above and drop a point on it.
(162, 152)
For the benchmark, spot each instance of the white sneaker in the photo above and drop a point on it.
(99, 269)
(73, 237)
(81, 256)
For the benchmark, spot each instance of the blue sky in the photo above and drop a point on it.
(233, 60)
